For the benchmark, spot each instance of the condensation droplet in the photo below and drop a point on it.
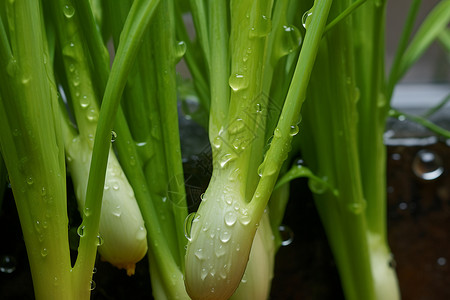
(44, 252)
(69, 11)
(199, 253)
(84, 102)
(87, 211)
(293, 130)
(141, 233)
(357, 207)
(8, 264)
(305, 18)
(225, 159)
(92, 285)
(188, 222)
(30, 180)
(81, 230)
(286, 235)
(225, 236)
(427, 165)
(238, 82)
(100, 240)
(230, 218)
(113, 136)
(244, 219)
(203, 273)
(180, 49)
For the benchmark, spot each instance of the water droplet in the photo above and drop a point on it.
(217, 143)
(141, 233)
(188, 222)
(427, 165)
(87, 211)
(68, 11)
(277, 132)
(258, 107)
(293, 130)
(180, 49)
(117, 211)
(237, 126)
(94, 270)
(234, 175)
(30, 180)
(317, 186)
(116, 186)
(71, 68)
(26, 79)
(220, 250)
(113, 136)
(7, 264)
(230, 218)
(238, 82)
(261, 28)
(441, 261)
(199, 253)
(290, 40)
(357, 207)
(12, 68)
(286, 235)
(203, 273)
(244, 278)
(202, 197)
(84, 102)
(245, 219)
(92, 285)
(306, 18)
(100, 240)
(225, 236)
(92, 116)
(226, 158)
(81, 230)
(44, 252)
(261, 169)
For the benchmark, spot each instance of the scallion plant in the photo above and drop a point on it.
(272, 78)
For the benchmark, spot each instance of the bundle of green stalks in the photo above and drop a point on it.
(89, 89)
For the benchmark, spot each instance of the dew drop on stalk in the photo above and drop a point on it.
(100, 240)
(286, 235)
(92, 285)
(199, 254)
(261, 28)
(44, 252)
(12, 68)
(141, 233)
(293, 130)
(305, 20)
(84, 101)
(30, 180)
(244, 219)
(226, 158)
(81, 230)
(217, 143)
(68, 11)
(290, 39)
(230, 218)
(203, 273)
(225, 236)
(87, 211)
(238, 82)
(220, 250)
(357, 207)
(180, 49)
(188, 222)
(8, 264)
(113, 136)
(277, 132)
(427, 165)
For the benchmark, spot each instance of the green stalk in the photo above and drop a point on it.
(32, 146)
(134, 28)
